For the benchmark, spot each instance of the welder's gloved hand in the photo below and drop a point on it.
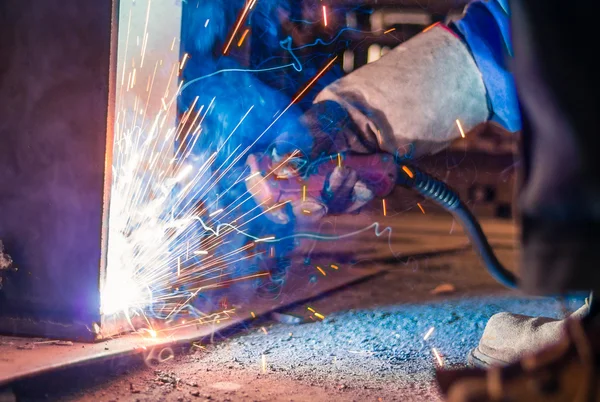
(336, 185)
(404, 105)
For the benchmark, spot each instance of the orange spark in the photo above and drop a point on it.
(389, 30)
(321, 271)
(431, 26)
(420, 207)
(311, 82)
(334, 266)
(243, 37)
(408, 172)
(324, 16)
(339, 160)
(264, 330)
(310, 309)
(240, 20)
(384, 207)
(319, 315)
(252, 314)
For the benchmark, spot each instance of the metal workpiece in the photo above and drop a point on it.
(69, 74)
(56, 125)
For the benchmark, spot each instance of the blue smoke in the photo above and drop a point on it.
(227, 89)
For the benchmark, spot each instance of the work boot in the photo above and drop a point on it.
(566, 371)
(509, 337)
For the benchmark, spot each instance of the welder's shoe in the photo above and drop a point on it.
(566, 371)
(508, 337)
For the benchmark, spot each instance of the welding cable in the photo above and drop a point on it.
(439, 192)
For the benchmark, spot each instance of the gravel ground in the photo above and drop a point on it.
(368, 347)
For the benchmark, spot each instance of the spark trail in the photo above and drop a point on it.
(178, 223)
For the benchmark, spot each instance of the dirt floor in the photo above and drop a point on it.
(362, 343)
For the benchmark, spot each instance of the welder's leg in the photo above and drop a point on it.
(555, 71)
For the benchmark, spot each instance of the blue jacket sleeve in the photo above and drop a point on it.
(485, 28)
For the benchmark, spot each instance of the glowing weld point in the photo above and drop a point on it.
(384, 207)
(324, 16)
(334, 266)
(310, 309)
(152, 333)
(428, 334)
(389, 30)
(462, 132)
(438, 357)
(321, 270)
(420, 207)
(320, 316)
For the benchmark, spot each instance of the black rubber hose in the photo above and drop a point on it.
(436, 190)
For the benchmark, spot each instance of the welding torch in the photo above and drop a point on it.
(292, 180)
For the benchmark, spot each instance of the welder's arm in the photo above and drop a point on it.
(407, 102)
